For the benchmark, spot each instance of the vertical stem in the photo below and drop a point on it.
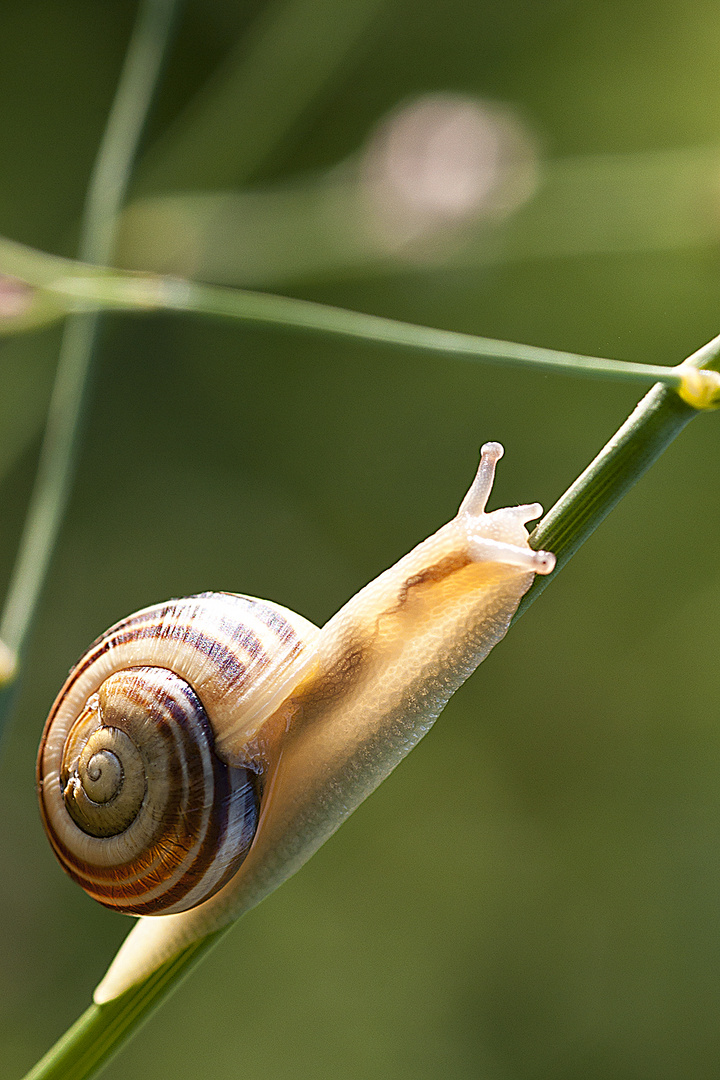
(106, 191)
(249, 106)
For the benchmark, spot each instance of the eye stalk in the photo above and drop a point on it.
(500, 536)
(477, 497)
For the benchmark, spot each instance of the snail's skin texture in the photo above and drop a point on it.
(306, 723)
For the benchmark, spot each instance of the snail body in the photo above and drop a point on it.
(304, 724)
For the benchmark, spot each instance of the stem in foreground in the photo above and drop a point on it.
(659, 417)
(106, 192)
(653, 425)
(650, 428)
(101, 1031)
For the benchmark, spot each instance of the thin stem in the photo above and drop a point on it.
(653, 425)
(307, 315)
(104, 200)
(91, 289)
(146, 292)
(66, 284)
(247, 110)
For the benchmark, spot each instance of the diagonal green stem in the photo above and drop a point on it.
(101, 1031)
(656, 421)
(106, 191)
(650, 428)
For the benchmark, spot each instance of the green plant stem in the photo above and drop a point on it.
(653, 425)
(657, 420)
(100, 1032)
(247, 110)
(106, 191)
(650, 428)
(67, 284)
(179, 295)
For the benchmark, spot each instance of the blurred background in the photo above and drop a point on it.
(535, 892)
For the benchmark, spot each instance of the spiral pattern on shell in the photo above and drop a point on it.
(138, 804)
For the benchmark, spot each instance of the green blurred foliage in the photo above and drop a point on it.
(534, 894)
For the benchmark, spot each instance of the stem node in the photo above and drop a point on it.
(699, 387)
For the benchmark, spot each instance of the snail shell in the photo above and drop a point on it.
(296, 727)
(140, 809)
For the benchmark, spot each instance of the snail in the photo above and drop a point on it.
(202, 749)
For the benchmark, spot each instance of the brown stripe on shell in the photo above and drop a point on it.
(227, 661)
(264, 612)
(175, 784)
(223, 642)
(152, 625)
(229, 806)
(229, 785)
(272, 618)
